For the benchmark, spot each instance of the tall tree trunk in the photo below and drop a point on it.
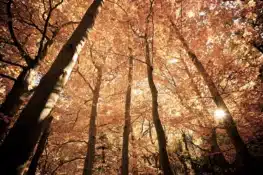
(217, 156)
(20, 142)
(40, 148)
(92, 126)
(134, 153)
(164, 159)
(127, 124)
(242, 155)
(13, 100)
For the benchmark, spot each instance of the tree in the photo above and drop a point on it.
(22, 83)
(19, 144)
(89, 160)
(127, 119)
(242, 156)
(164, 159)
(40, 148)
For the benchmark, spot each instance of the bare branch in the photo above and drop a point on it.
(63, 162)
(76, 118)
(11, 63)
(7, 77)
(86, 81)
(42, 45)
(22, 52)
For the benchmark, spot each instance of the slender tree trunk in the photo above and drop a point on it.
(217, 156)
(127, 124)
(242, 155)
(164, 159)
(89, 160)
(40, 148)
(21, 140)
(134, 153)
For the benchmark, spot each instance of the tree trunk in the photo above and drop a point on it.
(217, 156)
(20, 142)
(12, 102)
(127, 124)
(242, 155)
(13, 98)
(40, 148)
(164, 159)
(92, 126)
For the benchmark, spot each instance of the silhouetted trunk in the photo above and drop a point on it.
(40, 148)
(21, 140)
(89, 160)
(14, 99)
(12, 102)
(242, 155)
(217, 156)
(164, 159)
(127, 124)
(134, 170)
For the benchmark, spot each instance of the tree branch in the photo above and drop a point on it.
(86, 81)
(22, 52)
(11, 63)
(7, 76)
(65, 162)
(43, 46)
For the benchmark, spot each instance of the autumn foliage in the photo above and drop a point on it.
(140, 87)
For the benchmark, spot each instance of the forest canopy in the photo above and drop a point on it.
(131, 87)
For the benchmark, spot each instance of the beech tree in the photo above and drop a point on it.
(24, 82)
(158, 116)
(243, 157)
(40, 148)
(89, 161)
(19, 144)
(127, 120)
(164, 159)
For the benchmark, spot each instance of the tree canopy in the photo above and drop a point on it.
(131, 86)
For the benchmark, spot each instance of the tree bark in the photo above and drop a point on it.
(10, 103)
(88, 165)
(13, 100)
(242, 155)
(40, 148)
(127, 124)
(164, 159)
(21, 140)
